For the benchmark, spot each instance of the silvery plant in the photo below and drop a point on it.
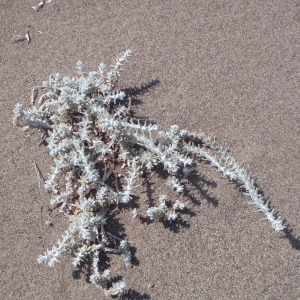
(101, 152)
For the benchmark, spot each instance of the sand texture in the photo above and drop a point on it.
(226, 68)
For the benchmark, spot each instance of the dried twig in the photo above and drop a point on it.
(147, 179)
(33, 95)
(39, 174)
(19, 39)
(39, 6)
(27, 36)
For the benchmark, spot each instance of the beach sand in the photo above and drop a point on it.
(225, 68)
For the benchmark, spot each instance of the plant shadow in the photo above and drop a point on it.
(134, 295)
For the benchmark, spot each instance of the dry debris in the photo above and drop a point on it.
(21, 38)
(41, 5)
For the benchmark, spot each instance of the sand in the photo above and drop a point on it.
(226, 68)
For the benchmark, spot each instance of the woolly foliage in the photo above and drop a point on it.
(100, 152)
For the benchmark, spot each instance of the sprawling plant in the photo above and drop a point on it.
(100, 152)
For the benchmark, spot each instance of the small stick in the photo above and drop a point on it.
(39, 6)
(39, 174)
(42, 214)
(144, 181)
(33, 95)
(27, 36)
(19, 39)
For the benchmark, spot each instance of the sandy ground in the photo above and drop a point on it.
(226, 68)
